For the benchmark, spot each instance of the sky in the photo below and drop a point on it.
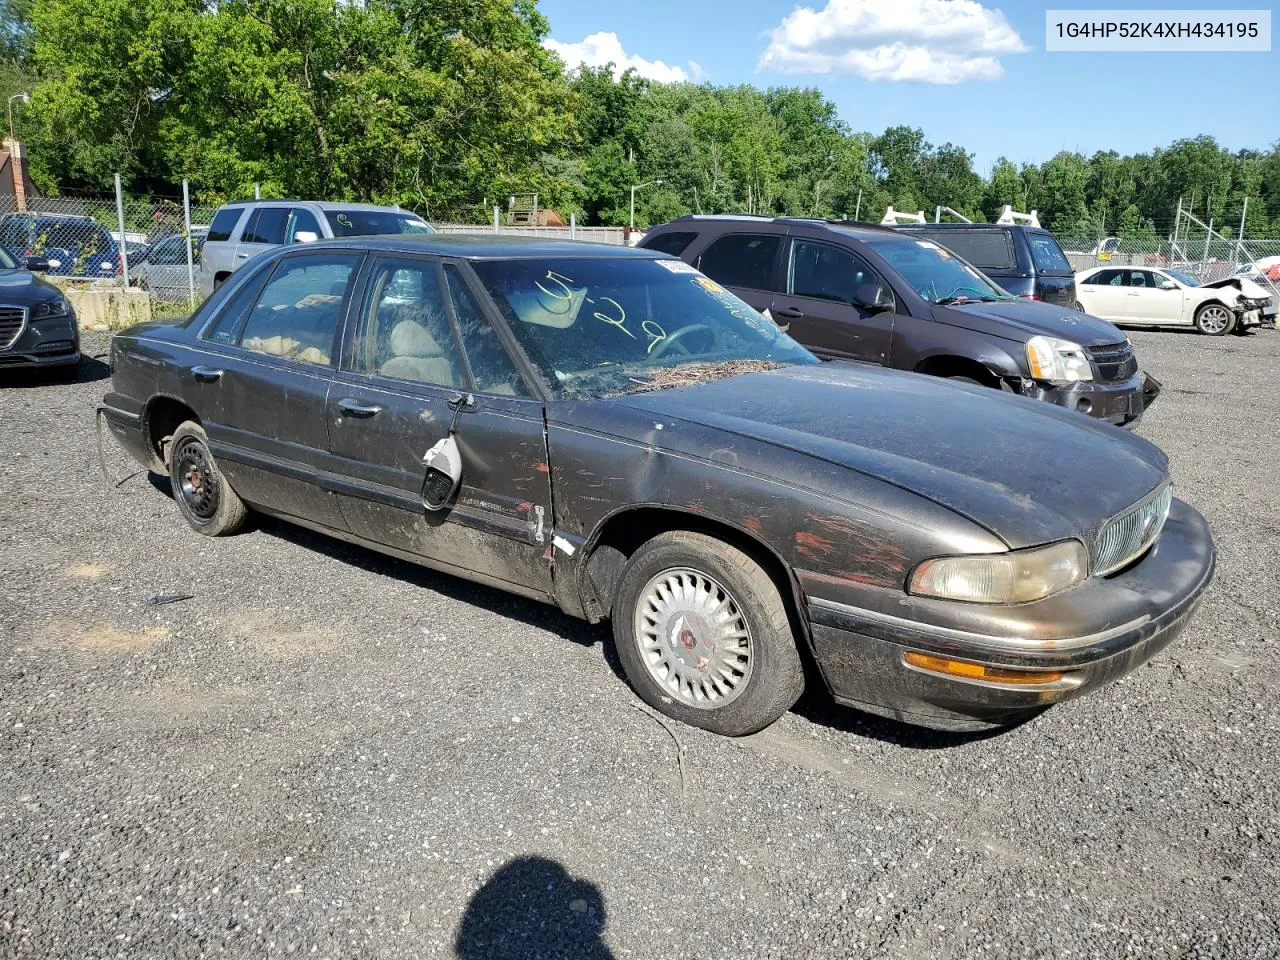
(972, 72)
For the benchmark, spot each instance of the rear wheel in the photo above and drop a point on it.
(205, 498)
(703, 635)
(1214, 320)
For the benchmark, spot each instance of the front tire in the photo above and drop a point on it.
(704, 636)
(204, 497)
(1215, 320)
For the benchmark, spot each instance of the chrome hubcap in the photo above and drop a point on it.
(693, 638)
(1214, 319)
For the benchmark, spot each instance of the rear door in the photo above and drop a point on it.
(272, 382)
(421, 359)
(264, 231)
(822, 280)
(1104, 293)
(1055, 280)
(749, 264)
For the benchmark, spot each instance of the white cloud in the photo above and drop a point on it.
(601, 48)
(929, 41)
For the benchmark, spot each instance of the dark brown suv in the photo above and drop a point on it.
(852, 291)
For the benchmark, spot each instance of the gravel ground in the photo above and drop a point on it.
(328, 753)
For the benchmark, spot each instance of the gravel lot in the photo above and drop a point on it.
(327, 753)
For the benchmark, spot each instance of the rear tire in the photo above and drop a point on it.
(1215, 320)
(204, 497)
(704, 636)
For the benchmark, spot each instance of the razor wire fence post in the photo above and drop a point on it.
(573, 226)
(257, 191)
(124, 250)
(497, 227)
(186, 233)
(1244, 212)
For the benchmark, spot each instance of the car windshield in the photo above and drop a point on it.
(938, 275)
(365, 223)
(609, 325)
(1183, 279)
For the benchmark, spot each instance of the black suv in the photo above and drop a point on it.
(852, 291)
(1026, 261)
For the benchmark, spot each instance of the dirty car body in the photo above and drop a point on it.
(627, 439)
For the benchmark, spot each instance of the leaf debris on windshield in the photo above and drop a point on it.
(688, 374)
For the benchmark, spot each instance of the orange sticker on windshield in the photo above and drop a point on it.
(709, 285)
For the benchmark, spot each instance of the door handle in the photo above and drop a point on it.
(242, 256)
(353, 408)
(206, 374)
(791, 313)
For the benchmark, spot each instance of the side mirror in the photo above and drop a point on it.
(873, 298)
(444, 473)
(1168, 285)
(306, 236)
(37, 265)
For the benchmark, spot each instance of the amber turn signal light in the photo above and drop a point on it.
(977, 671)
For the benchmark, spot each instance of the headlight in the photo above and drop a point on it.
(1014, 577)
(57, 307)
(1058, 361)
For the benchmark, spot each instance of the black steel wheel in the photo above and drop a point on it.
(203, 495)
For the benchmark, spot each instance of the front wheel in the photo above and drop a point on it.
(703, 635)
(205, 498)
(1214, 320)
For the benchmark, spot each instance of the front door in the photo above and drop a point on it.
(820, 304)
(273, 382)
(423, 360)
(1150, 302)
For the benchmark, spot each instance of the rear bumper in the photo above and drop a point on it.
(1092, 635)
(44, 343)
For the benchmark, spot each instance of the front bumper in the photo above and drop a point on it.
(1122, 403)
(1092, 634)
(54, 342)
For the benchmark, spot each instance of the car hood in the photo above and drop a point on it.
(1025, 470)
(1031, 319)
(1247, 288)
(22, 287)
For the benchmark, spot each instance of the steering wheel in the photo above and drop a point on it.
(669, 340)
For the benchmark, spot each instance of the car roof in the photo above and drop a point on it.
(36, 215)
(970, 226)
(487, 246)
(322, 204)
(853, 228)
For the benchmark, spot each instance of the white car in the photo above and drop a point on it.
(1151, 296)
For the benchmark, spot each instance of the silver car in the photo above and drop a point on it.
(162, 267)
(242, 230)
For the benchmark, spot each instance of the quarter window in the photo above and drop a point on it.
(827, 272)
(741, 260)
(298, 313)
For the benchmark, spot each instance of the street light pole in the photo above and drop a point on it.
(26, 98)
(640, 186)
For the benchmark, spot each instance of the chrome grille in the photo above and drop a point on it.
(1126, 536)
(12, 321)
(1114, 361)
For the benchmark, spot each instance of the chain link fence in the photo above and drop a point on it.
(99, 242)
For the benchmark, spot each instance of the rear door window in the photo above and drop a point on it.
(672, 243)
(224, 221)
(741, 260)
(267, 226)
(298, 313)
(1046, 254)
(985, 249)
